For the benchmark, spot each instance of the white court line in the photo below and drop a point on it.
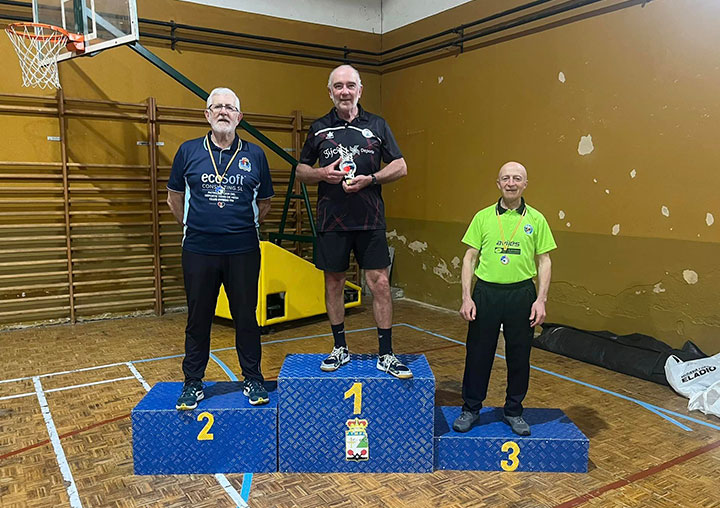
(61, 372)
(55, 440)
(68, 387)
(137, 375)
(222, 480)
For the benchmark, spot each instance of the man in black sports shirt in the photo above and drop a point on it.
(349, 143)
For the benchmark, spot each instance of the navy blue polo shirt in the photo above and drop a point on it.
(221, 217)
(369, 139)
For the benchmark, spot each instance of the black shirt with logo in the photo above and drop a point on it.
(369, 140)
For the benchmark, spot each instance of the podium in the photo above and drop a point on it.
(555, 445)
(356, 419)
(224, 434)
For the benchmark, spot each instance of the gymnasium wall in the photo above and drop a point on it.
(615, 115)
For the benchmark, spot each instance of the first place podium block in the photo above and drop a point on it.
(356, 419)
(224, 434)
(555, 443)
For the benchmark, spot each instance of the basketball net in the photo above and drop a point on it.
(37, 46)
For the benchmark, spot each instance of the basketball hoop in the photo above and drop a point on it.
(38, 45)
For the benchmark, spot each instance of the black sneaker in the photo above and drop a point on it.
(192, 393)
(390, 364)
(518, 425)
(338, 356)
(255, 391)
(464, 422)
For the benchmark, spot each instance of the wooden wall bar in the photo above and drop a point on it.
(89, 235)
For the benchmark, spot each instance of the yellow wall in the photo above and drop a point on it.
(642, 81)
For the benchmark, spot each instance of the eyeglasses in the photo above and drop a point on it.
(216, 108)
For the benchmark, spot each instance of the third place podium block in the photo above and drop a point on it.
(224, 434)
(555, 443)
(356, 419)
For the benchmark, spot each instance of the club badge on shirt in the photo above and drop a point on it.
(244, 164)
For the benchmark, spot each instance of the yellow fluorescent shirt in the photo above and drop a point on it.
(508, 241)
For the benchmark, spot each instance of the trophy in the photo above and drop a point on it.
(347, 165)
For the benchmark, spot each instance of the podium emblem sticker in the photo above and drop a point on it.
(356, 440)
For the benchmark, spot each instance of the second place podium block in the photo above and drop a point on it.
(224, 434)
(356, 419)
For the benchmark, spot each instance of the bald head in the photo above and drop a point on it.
(512, 168)
(512, 180)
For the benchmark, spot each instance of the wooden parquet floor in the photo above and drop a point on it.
(637, 458)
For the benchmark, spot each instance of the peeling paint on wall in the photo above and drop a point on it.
(665, 211)
(690, 276)
(441, 270)
(561, 77)
(393, 234)
(567, 224)
(607, 191)
(657, 288)
(455, 262)
(709, 219)
(561, 214)
(585, 146)
(417, 246)
(616, 229)
(440, 79)
(633, 173)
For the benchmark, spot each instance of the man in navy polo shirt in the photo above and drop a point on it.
(349, 144)
(219, 190)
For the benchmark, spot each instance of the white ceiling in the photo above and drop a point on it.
(374, 16)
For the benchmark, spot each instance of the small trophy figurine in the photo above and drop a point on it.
(347, 165)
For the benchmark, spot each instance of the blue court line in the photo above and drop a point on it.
(247, 477)
(660, 411)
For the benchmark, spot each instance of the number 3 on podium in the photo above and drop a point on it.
(514, 462)
(356, 390)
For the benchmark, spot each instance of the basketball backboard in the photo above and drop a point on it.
(104, 23)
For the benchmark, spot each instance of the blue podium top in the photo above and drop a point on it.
(224, 395)
(307, 366)
(545, 424)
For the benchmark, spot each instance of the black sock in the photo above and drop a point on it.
(385, 339)
(338, 332)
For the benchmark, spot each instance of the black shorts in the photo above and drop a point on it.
(333, 250)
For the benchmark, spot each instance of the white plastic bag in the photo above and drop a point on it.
(699, 380)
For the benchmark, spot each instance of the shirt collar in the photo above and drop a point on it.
(501, 209)
(233, 146)
(362, 115)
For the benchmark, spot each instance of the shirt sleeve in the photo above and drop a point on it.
(309, 153)
(390, 149)
(544, 241)
(473, 235)
(266, 187)
(176, 182)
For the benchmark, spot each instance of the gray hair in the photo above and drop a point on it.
(359, 82)
(225, 91)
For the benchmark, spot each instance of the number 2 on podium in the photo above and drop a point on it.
(356, 390)
(205, 434)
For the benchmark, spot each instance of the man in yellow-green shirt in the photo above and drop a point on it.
(508, 237)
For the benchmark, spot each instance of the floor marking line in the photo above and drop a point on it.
(57, 446)
(94, 383)
(582, 499)
(138, 376)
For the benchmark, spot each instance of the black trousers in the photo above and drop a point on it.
(203, 275)
(496, 304)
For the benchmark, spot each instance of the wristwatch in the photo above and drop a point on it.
(374, 180)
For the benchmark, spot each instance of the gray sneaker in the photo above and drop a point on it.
(518, 425)
(465, 420)
(390, 364)
(338, 357)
